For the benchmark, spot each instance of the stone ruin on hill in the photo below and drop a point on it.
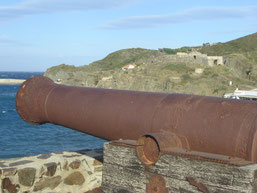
(197, 57)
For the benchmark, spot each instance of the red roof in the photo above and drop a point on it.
(129, 65)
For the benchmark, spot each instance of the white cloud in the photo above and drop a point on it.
(29, 7)
(189, 15)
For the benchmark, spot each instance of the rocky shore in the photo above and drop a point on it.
(11, 81)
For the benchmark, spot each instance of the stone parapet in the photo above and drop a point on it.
(56, 172)
(174, 172)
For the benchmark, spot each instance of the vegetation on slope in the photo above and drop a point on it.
(240, 45)
(123, 57)
(156, 72)
(175, 51)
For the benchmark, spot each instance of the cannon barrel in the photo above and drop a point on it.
(199, 123)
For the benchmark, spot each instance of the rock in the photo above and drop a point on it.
(75, 155)
(89, 173)
(199, 70)
(65, 165)
(9, 172)
(96, 190)
(75, 164)
(2, 165)
(20, 162)
(7, 185)
(44, 156)
(59, 153)
(75, 178)
(51, 183)
(97, 163)
(51, 168)
(107, 78)
(98, 169)
(27, 176)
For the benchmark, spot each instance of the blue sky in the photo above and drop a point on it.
(38, 34)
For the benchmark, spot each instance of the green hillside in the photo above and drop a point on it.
(123, 57)
(157, 71)
(240, 45)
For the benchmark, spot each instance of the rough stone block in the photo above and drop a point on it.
(44, 156)
(75, 178)
(7, 185)
(9, 171)
(75, 164)
(27, 176)
(2, 165)
(123, 172)
(23, 162)
(51, 168)
(51, 183)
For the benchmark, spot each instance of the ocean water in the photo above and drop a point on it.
(19, 138)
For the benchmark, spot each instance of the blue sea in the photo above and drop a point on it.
(19, 138)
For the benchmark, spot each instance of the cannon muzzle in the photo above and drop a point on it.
(198, 123)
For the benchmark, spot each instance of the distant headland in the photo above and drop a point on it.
(211, 69)
(11, 81)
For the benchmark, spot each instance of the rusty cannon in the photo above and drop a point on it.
(158, 121)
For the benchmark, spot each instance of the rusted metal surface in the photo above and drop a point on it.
(199, 186)
(210, 157)
(196, 123)
(148, 150)
(31, 98)
(150, 146)
(156, 184)
(217, 158)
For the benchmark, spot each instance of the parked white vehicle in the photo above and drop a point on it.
(242, 94)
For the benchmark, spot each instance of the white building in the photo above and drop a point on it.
(129, 66)
(243, 94)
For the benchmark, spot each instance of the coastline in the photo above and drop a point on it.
(11, 81)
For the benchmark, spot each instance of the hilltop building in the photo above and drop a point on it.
(197, 57)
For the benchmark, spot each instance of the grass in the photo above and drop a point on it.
(179, 67)
(123, 57)
(175, 51)
(240, 45)
(185, 79)
(156, 72)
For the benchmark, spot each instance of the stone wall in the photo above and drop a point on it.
(56, 172)
(189, 58)
(197, 57)
(176, 171)
(215, 60)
